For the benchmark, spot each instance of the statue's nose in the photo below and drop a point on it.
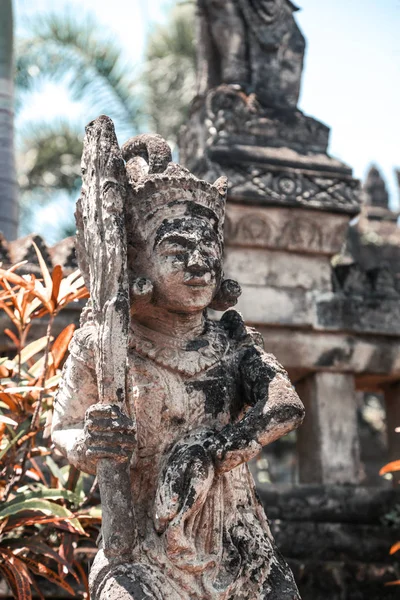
(196, 261)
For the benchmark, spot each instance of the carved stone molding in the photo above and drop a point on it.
(294, 230)
(265, 185)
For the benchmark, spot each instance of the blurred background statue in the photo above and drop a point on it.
(256, 45)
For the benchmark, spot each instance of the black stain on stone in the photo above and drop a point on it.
(194, 345)
(217, 386)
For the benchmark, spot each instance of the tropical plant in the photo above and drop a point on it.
(44, 510)
(8, 185)
(75, 50)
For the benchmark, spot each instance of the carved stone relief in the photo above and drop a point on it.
(286, 229)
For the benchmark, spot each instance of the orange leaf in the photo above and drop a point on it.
(390, 467)
(11, 400)
(4, 372)
(12, 337)
(397, 582)
(60, 345)
(13, 278)
(20, 573)
(395, 548)
(56, 278)
(43, 571)
(10, 313)
(83, 575)
(43, 267)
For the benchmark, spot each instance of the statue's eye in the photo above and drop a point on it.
(174, 250)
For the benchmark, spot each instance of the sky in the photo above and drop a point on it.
(351, 79)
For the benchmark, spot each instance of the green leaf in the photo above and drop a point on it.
(44, 493)
(10, 444)
(44, 506)
(56, 471)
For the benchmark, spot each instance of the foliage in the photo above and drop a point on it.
(74, 50)
(44, 511)
(49, 158)
(170, 72)
(78, 51)
(65, 46)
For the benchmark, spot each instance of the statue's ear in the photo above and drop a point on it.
(227, 295)
(141, 293)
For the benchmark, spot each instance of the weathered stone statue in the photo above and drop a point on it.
(198, 398)
(256, 45)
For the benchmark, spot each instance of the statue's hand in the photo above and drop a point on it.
(108, 433)
(185, 479)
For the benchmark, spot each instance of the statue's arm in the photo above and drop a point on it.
(273, 410)
(77, 392)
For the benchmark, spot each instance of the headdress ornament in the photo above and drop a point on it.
(161, 188)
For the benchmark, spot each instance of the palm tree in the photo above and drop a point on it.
(8, 186)
(62, 48)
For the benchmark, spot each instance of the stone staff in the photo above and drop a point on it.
(102, 253)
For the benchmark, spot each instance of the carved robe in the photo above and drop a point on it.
(221, 548)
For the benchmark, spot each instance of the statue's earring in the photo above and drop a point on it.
(227, 295)
(141, 293)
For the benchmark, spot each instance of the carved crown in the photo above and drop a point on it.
(162, 188)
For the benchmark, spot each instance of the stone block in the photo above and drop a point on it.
(294, 230)
(275, 306)
(329, 503)
(263, 267)
(363, 315)
(334, 541)
(310, 351)
(347, 580)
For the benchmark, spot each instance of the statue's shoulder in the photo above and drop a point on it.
(235, 328)
(249, 339)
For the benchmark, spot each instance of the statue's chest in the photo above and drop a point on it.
(167, 404)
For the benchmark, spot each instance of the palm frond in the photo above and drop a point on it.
(63, 47)
(49, 155)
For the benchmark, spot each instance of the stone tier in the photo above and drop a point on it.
(336, 539)
(273, 158)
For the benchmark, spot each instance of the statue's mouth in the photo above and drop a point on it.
(197, 280)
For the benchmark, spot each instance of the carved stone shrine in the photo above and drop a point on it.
(296, 245)
(164, 404)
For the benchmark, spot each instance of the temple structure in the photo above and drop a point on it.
(328, 314)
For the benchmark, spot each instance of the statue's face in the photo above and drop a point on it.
(184, 265)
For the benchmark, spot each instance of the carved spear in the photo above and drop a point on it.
(102, 253)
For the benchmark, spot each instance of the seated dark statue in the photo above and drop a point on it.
(254, 44)
(202, 398)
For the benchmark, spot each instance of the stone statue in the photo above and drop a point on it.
(160, 396)
(255, 44)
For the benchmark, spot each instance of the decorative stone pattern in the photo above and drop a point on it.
(169, 417)
(293, 188)
(292, 230)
